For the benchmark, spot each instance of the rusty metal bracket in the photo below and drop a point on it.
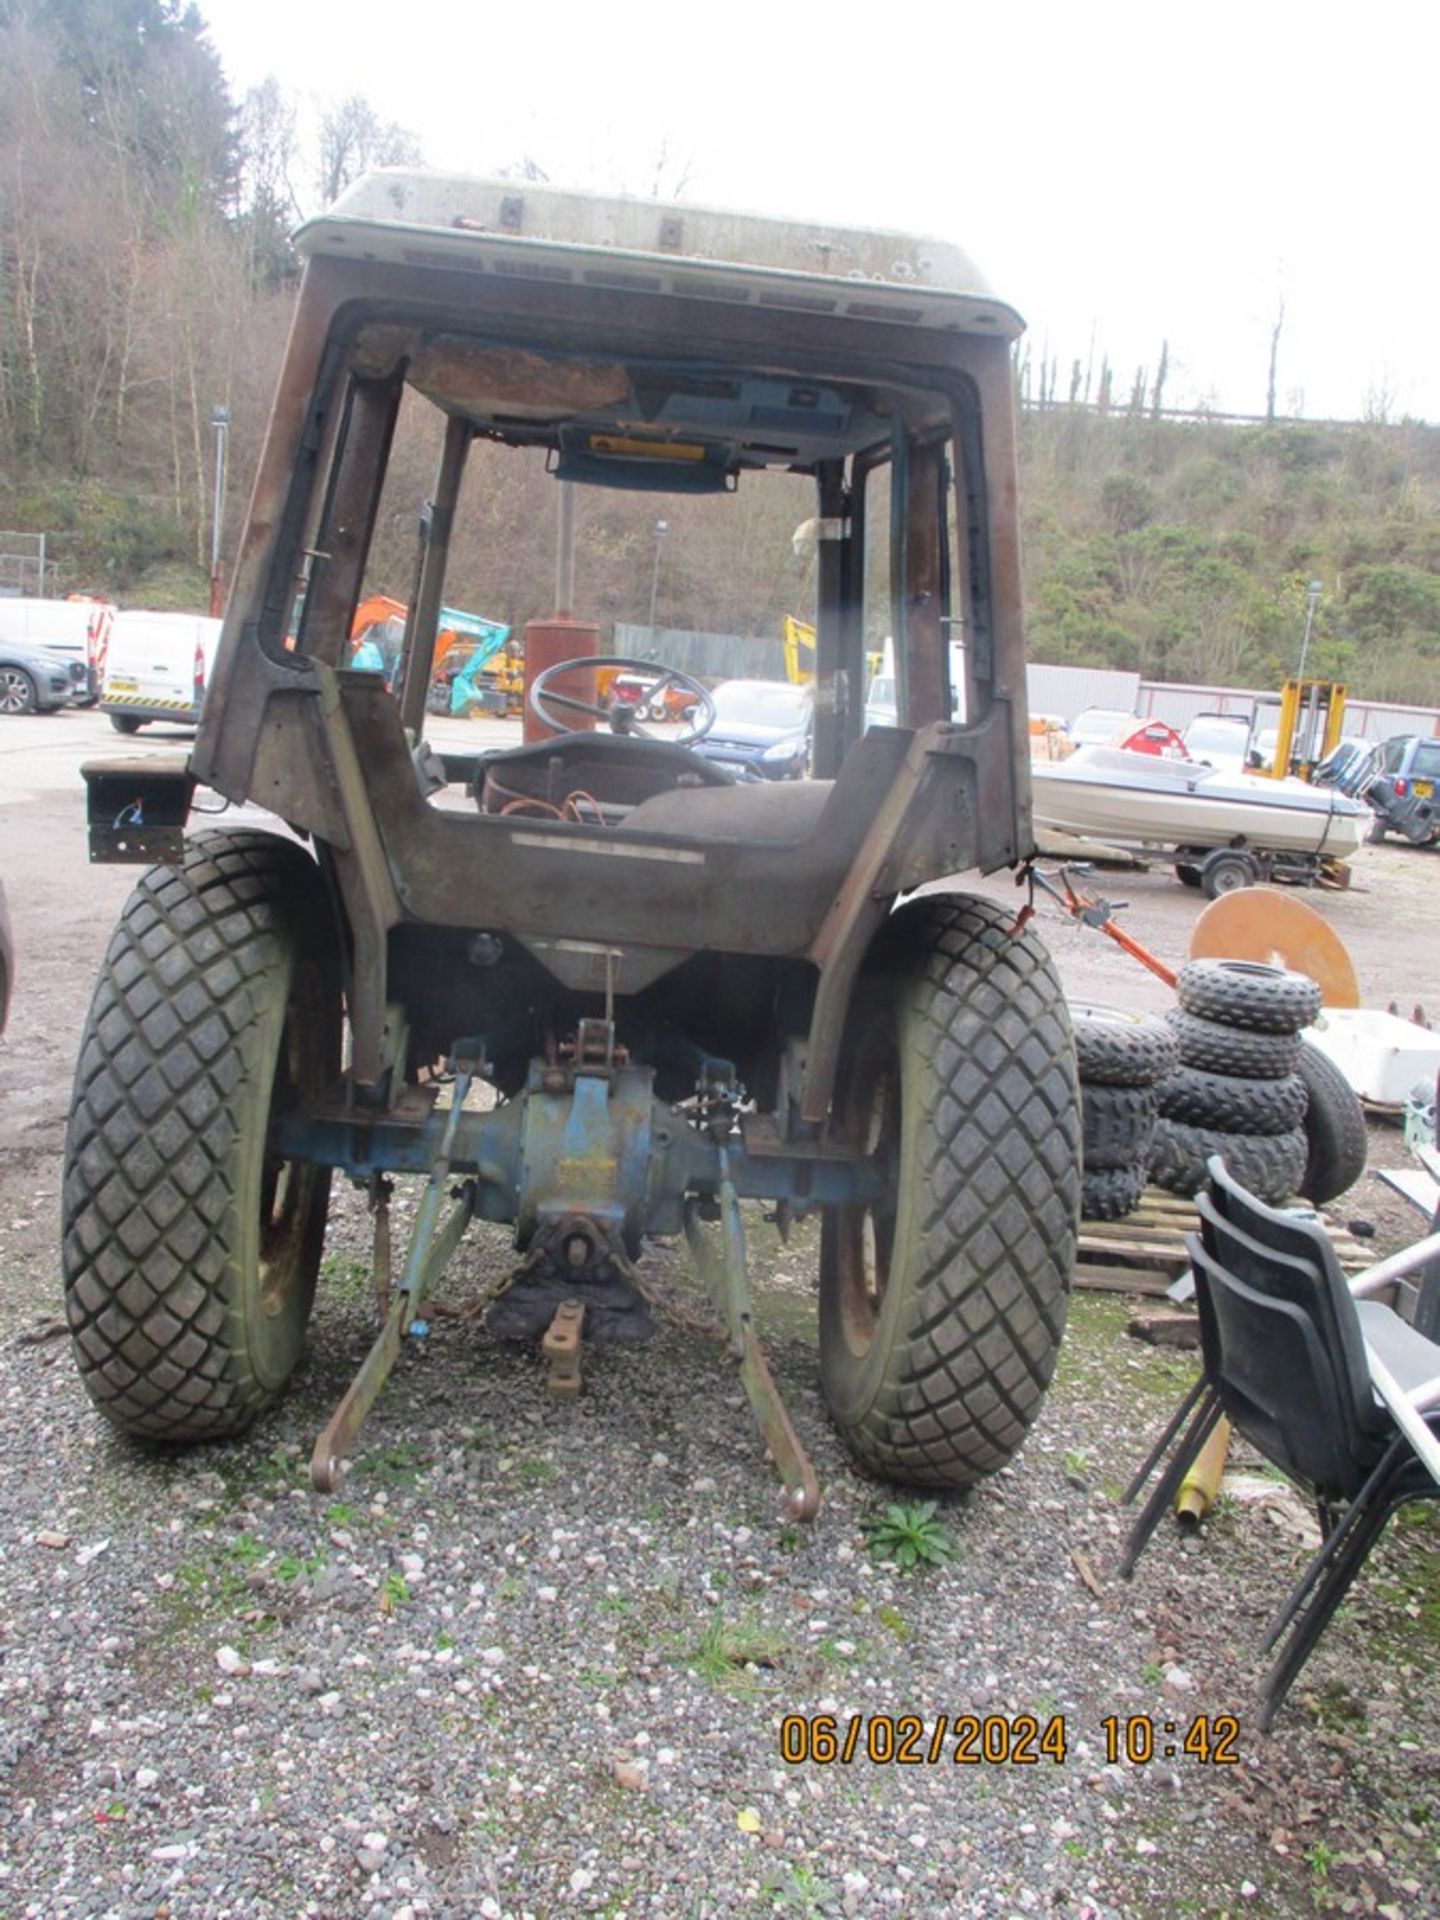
(561, 1348)
(727, 1280)
(426, 1258)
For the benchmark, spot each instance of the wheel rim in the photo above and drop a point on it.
(14, 691)
(287, 1187)
(865, 1237)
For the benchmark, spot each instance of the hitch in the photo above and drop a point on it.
(725, 1276)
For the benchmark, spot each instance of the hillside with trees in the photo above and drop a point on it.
(146, 278)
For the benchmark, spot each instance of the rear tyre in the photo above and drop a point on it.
(1376, 835)
(124, 723)
(17, 691)
(943, 1302)
(1336, 1138)
(190, 1249)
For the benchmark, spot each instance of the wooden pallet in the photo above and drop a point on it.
(1145, 1251)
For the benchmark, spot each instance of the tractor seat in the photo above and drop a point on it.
(777, 812)
(592, 777)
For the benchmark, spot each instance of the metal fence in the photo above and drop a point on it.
(24, 570)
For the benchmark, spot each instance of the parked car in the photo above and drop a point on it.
(1098, 726)
(762, 729)
(157, 668)
(1219, 740)
(35, 681)
(1402, 792)
(77, 631)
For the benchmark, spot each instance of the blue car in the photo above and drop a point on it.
(762, 729)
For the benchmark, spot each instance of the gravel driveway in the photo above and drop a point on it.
(536, 1657)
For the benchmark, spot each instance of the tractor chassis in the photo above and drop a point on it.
(584, 1162)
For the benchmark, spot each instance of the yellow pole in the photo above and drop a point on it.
(1201, 1484)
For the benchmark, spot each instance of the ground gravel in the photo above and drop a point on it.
(534, 1657)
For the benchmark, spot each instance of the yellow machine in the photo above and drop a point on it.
(1312, 719)
(799, 640)
(798, 635)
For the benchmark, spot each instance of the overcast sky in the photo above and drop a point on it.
(1122, 173)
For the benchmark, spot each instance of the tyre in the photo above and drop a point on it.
(1247, 993)
(1227, 871)
(1119, 1049)
(1187, 875)
(1336, 1138)
(1117, 1125)
(1221, 1049)
(189, 1251)
(1111, 1193)
(942, 1303)
(1269, 1164)
(1233, 1104)
(17, 691)
(124, 723)
(1376, 835)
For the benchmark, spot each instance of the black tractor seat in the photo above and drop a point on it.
(594, 778)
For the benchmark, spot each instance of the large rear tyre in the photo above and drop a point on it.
(190, 1249)
(942, 1304)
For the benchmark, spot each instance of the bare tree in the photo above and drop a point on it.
(1274, 360)
(353, 138)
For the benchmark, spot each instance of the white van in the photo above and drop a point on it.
(157, 668)
(77, 631)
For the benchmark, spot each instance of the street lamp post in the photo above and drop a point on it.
(1312, 600)
(220, 421)
(662, 527)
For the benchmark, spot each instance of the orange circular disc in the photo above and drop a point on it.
(1272, 925)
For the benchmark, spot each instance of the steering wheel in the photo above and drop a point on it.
(555, 708)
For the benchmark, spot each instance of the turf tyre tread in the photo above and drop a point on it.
(987, 1200)
(175, 1061)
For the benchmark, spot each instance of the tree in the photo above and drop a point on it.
(353, 138)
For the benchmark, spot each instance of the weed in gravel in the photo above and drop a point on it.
(729, 1653)
(893, 1620)
(397, 1466)
(799, 1890)
(911, 1536)
(394, 1592)
(1336, 1709)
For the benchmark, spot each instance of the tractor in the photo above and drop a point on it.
(592, 987)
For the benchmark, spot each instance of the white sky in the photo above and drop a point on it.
(1123, 173)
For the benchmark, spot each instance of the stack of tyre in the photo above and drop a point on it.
(1238, 1089)
(1123, 1057)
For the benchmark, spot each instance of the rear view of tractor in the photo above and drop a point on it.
(596, 988)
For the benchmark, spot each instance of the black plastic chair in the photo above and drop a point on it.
(1291, 1358)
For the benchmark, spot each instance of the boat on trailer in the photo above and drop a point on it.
(1222, 829)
